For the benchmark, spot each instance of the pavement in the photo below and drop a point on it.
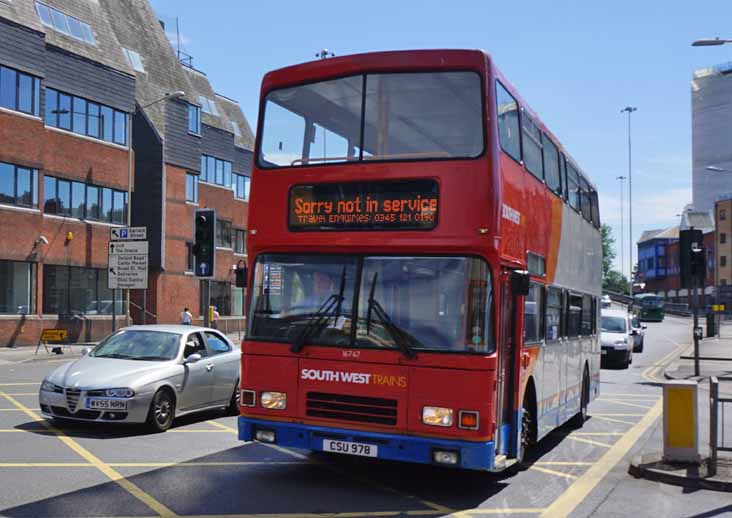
(715, 360)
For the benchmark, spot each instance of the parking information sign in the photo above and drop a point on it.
(128, 259)
(128, 234)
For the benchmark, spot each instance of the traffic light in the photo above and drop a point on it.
(692, 258)
(241, 276)
(204, 246)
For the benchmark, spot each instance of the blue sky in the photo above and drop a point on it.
(576, 63)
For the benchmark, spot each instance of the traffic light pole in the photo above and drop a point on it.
(695, 302)
(207, 303)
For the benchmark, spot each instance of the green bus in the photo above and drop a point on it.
(649, 307)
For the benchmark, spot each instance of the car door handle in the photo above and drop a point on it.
(209, 367)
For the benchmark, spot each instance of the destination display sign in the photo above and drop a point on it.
(385, 205)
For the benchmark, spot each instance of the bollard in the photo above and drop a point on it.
(680, 422)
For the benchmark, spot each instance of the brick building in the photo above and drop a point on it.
(77, 79)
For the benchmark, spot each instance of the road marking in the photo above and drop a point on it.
(22, 393)
(223, 426)
(603, 418)
(649, 374)
(589, 434)
(144, 464)
(562, 463)
(17, 384)
(581, 488)
(589, 441)
(641, 396)
(617, 415)
(46, 465)
(625, 403)
(17, 409)
(113, 475)
(499, 511)
(553, 472)
(21, 430)
(196, 430)
(358, 514)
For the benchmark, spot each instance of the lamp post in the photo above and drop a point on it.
(629, 110)
(622, 235)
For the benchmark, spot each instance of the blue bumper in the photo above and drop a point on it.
(473, 455)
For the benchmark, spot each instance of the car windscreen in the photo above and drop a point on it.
(137, 344)
(614, 324)
(397, 116)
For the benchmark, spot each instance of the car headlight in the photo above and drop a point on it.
(437, 416)
(119, 392)
(273, 400)
(621, 344)
(47, 386)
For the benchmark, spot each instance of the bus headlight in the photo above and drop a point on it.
(437, 416)
(273, 400)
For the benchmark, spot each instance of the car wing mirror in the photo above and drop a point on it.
(85, 351)
(520, 282)
(643, 326)
(193, 358)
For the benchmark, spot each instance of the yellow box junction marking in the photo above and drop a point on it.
(552, 472)
(581, 488)
(113, 475)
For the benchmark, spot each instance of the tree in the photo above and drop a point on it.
(615, 281)
(608, 250)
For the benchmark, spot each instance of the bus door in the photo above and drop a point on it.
(507, 366)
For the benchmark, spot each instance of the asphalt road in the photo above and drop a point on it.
(200, 469)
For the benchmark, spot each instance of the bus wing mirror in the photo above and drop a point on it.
(520, 282)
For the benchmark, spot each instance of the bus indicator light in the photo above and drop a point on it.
(468, 420)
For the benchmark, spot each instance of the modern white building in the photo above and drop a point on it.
(711, 104)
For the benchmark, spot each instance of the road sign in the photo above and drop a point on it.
(128, 247)
(127, 272)
(128, 234)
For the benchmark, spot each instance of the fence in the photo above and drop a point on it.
(716, 404)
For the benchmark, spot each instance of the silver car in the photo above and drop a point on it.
(146, 374)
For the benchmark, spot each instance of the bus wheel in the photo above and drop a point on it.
(580, 417)
(528, 427)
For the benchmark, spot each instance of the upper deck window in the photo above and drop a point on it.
(410, 116)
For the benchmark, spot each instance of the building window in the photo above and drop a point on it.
(194, 119)
(18, 293)
(722, 238)
(235, 128)
(84, 201)
(19, 92)
(216, 171)
(73, 290)
(227, 298)
(64, 23)
(18, 185)
(722, 214)
(192, 187)
(85, 117)
(208, 105)
(722, 260)
(223, 233)
(241, 186)
(240, 243)
(189, 257)
(134, 59)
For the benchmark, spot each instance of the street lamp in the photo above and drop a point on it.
(622, 234)
(716, 169)
(629, 110)
(170, 95)
(708, 42)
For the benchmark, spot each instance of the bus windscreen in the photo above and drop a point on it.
(399, 116)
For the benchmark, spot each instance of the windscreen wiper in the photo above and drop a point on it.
(400, 337)
(330, 308)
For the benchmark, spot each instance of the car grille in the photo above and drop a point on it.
(351, 408)
(81, 414)
(72, 398)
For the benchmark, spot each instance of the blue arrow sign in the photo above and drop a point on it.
(203, 268)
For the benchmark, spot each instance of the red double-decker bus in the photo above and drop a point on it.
(424, 265)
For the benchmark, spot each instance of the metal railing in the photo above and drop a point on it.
(716, 404)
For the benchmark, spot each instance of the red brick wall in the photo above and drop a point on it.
(27, 142)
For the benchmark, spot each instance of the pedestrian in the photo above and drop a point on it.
(185, 317)
(215, 321)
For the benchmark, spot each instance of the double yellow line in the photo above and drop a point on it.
(95, 461)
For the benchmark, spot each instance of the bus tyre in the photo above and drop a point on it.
(162, 411)
(578, 421)
(528, 428)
